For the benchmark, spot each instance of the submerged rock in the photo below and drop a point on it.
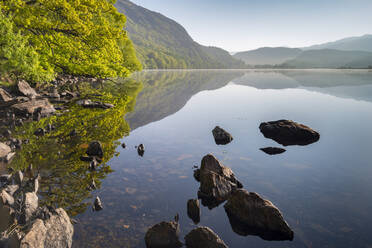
(287, 132)
(95, 149)
(97, 205)
(25, 89)
(217, 182)
(193, 210)
(250, 214)
(163, 235)
(203, 237)
(221, 137)
(141, 150)
(272, 150)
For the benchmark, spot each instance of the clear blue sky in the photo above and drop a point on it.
(238, 25)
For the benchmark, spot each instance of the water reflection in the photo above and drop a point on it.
(66, 178)
(320, 188)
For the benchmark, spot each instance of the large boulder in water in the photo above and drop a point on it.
(221, 137)
(217, 182)
(250, 214)
(203, 237)
(163, 235)
(287, 132)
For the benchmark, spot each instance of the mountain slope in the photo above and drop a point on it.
(223, 57)
(329, 58)
(268, 55)
(163, 43)
(361, 43)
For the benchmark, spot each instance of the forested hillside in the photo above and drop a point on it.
(163, 43)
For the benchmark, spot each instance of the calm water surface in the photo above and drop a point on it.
(323, 190)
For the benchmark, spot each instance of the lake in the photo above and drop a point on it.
(323, 190)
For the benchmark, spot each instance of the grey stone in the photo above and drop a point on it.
(26, 90)
(4, 150)
(5, 96)
(54, 232)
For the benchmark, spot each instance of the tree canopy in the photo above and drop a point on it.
(79, 37)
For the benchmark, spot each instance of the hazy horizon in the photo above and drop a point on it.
(247, 25)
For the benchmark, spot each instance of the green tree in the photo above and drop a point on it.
(79, 37)
(17, 59)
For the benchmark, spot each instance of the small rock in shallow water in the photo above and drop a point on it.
(193, 210)
(97, 205)
(221, 137)
(123, 145)
(92, 186)
(272, 150)
(39, 132)
(95, 149)
(141, 150)
(163, 235)
(203, 237)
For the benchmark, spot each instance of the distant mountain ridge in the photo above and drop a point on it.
(330, 58)
(163, 43)
(359, 43)
(352, 52)
(268, 55)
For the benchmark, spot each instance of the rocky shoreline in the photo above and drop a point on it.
(26, 224)
(23, 222)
